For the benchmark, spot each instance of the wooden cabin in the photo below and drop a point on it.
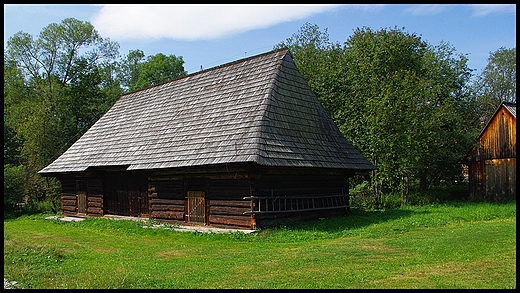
(492, 163)
(245, 144)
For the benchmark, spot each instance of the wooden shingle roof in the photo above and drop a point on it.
(258, 109)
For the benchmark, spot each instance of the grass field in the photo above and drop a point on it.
(458, 245)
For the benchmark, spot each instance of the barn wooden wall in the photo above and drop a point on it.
(68, 196)
(226, 203)
(167, 199)
(69, 199)
(296, 184)
(499, 138)
(227, 195)
(95, 197)
(493, 180)
(224, 199)
(492, 164)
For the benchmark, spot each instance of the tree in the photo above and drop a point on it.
(66, 85)
(402, 102)
(13, 87)
(130, 69)
(138, 73)
(497, 82)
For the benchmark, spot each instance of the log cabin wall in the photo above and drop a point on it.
(72, 186)
(226, 202)
(167, 199)
(227, 195)
(68, 196)
(299, 194)
(94, 197)
(224, 190)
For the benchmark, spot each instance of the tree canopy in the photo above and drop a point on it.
(401, 101)
(60, 83)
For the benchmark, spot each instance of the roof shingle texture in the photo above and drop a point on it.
(258, 109)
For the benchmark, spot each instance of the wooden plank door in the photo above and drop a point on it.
(138, 201)
(82, 202)
(196, 207)
(81, 197)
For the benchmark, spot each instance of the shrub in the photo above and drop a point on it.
(13, 187)
(362, 196)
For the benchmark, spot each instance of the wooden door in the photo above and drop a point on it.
(127, 195)
(138, 201)
(82, 202)
(196, 207)
(81, 197)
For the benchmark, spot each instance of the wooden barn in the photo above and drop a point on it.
(492, 163)
(246, 144)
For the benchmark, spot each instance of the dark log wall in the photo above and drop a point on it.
(224, 199)
(300, 184)
(167, 199)
(227, 195)
(94, 189)
(68, 196)
(226, 203)
(94, 197)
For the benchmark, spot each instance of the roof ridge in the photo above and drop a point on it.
(274, 51)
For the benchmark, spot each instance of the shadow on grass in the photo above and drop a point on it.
(357, 218)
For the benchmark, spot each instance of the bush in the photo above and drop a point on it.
(13, 187)
(362, 196)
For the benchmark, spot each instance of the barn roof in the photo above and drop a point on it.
(258, 109)
(511, 107)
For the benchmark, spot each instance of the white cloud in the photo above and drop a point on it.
(195, 22)
(426, 9)
(485, 9)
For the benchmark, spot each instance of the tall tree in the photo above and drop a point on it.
(497, 82)
(65, 74)
(399, 100)
(13, 88)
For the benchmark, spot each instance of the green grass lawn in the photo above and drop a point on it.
(460, 245)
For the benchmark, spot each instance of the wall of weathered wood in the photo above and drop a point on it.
(68, 196)
(493, 180)
(226, 203)
(167, 199)
(492, 164)
(296, 183)
(95, 197)
(226, 194)
(69, 201)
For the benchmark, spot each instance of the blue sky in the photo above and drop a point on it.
(211, 35)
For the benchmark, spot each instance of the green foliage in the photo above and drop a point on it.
(402, 102)
(56, 86)
(13, 187)
(497, 82)
(159, 68)
(138, 74)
